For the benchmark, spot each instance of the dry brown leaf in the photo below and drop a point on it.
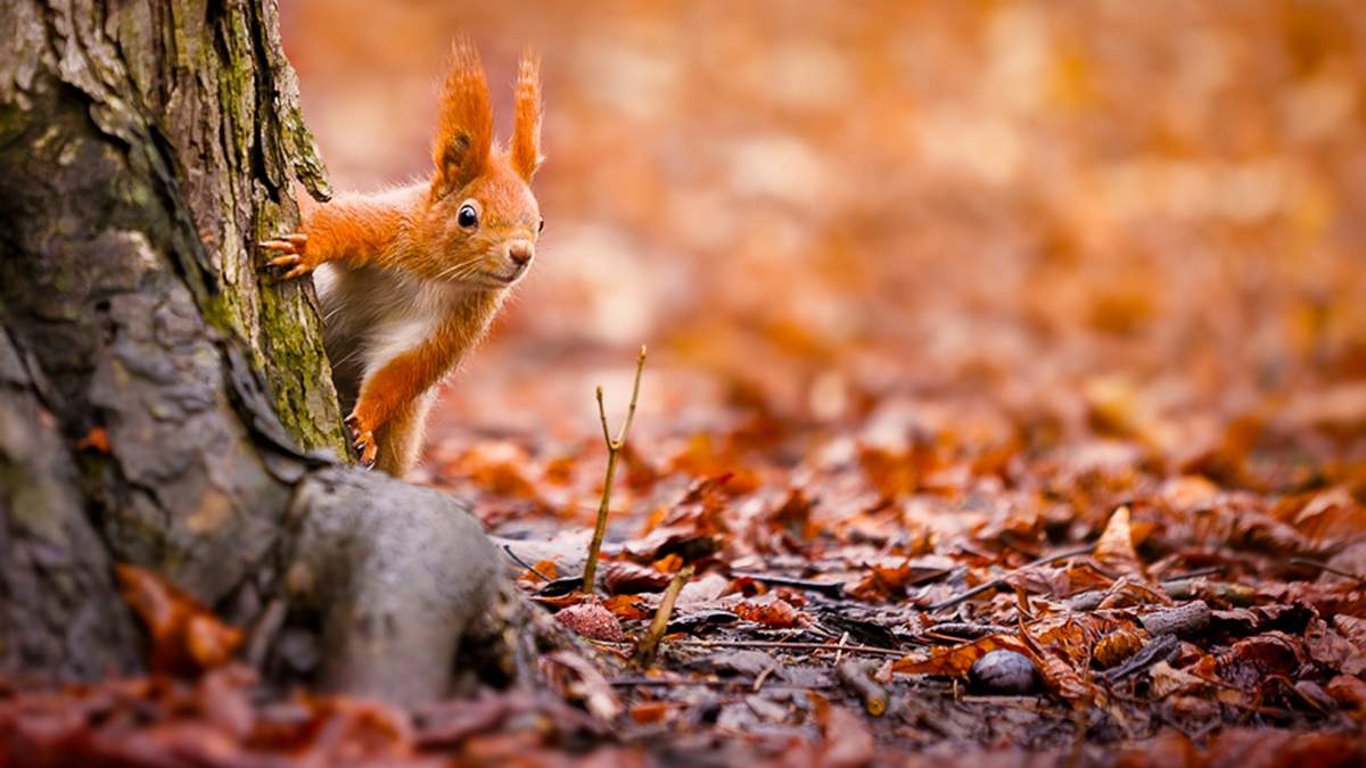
(1115, 549)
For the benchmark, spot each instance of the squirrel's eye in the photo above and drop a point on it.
(540, 227)
(467, 217)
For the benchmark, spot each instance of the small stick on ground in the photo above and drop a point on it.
(614, 446)
(1183, 620)
(649, 644)
(829, 588)
(762, 676)
(843, 639)
(859, 680)
(507, 550)
(791, 646)
(1327, 569)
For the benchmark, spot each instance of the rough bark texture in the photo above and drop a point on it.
(162, 403)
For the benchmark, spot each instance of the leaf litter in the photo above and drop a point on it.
(1052, 447)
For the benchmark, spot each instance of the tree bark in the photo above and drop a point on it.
(165, 405)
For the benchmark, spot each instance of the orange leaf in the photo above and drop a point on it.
(647, 712)
(186, 637)
(97, 439)
(956, 661)
(627, 607)
(772, 612)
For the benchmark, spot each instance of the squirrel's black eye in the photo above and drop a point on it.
(467, 217)
(540, 227)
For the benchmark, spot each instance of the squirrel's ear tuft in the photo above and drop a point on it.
(464, 134)
(526, 131)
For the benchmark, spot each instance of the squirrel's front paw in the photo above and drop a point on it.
(363, 441)
(292, 253)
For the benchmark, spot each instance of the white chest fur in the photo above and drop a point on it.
(372, 315)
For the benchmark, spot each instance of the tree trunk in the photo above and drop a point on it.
(165, 405)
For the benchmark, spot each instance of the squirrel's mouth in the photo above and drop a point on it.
(500, 279)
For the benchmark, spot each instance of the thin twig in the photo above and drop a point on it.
(614, 447)
(858, 678)
(786, 645)
(1001, 581)
(844, 639)
(762, 676)
(673, 682)
(1197, 573)
(507, 550)
(649, 644)
(1328, 569)
(829, 588)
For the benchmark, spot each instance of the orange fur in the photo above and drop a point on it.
(526, 132)
(464, 129)
(413, 372)
(409, 289)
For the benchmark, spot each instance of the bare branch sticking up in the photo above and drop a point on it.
(614, 446)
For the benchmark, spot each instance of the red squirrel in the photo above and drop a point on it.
(409, 278)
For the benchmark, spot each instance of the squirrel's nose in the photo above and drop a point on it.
(520, 251)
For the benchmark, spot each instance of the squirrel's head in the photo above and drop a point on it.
(482, 211)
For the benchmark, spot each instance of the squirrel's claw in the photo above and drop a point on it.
(363, 442)
(366, 449)
(299, 271)
(291, 248)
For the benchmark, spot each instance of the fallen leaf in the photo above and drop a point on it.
(186, 638)
(1115, 549)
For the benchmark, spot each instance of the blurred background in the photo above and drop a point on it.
(1141, 220)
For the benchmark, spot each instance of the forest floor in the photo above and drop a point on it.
(1006, 393)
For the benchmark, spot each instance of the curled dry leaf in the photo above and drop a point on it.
(1115, 549)
(1250, 662)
